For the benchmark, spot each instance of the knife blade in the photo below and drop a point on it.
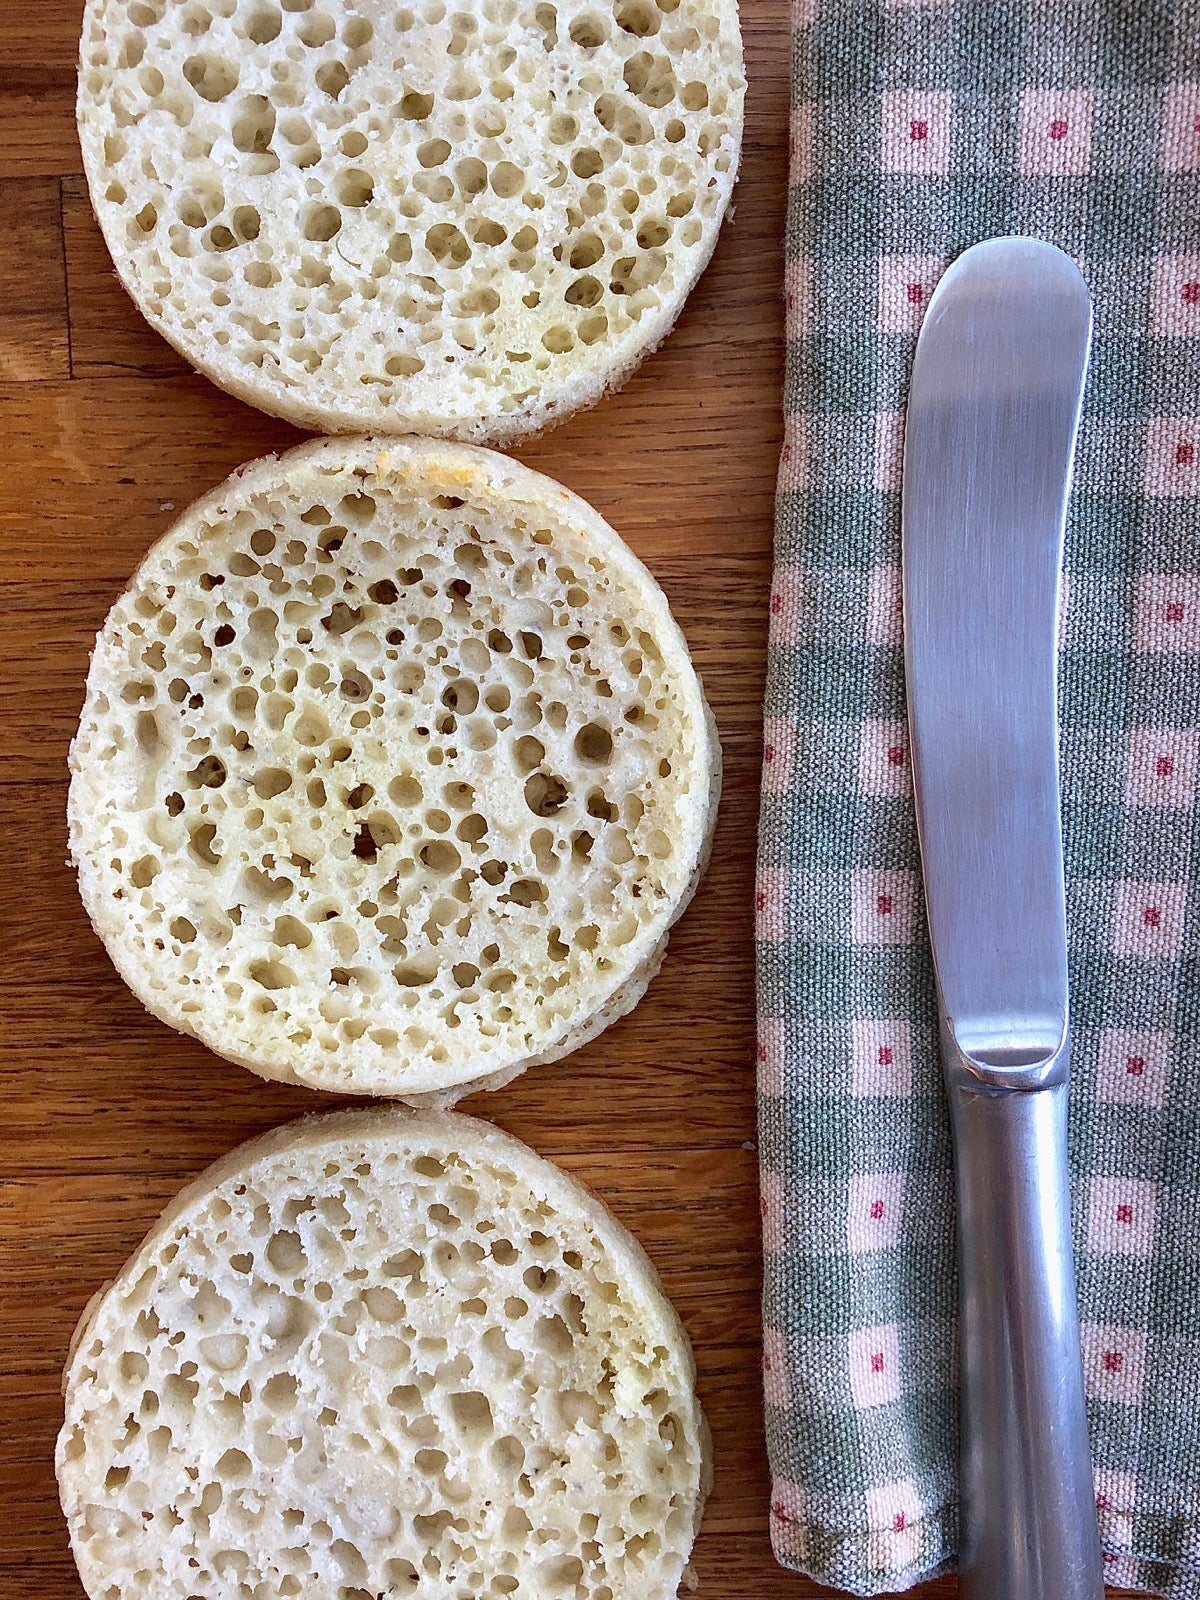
(994, 406)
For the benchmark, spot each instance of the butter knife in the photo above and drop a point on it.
(993, 412)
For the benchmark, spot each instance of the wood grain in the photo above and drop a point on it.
(35, 339)
(105, 1112)
(39, 44)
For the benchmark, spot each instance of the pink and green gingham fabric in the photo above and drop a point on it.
(919, 127)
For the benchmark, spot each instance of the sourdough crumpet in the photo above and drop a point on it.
(467, 220)
(393, 771)
(378, 1354)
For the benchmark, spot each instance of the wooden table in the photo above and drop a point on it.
(106, 1112)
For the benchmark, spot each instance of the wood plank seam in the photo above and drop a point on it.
(62, 236)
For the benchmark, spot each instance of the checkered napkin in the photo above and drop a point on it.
(919, 127)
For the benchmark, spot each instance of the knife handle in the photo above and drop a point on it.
(1026, 1492)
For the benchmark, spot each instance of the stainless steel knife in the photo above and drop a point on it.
(993, 412)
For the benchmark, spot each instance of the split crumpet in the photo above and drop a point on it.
(383, 1355)
(466, 220)
(393, 771)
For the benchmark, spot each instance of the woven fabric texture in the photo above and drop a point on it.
(919, 127)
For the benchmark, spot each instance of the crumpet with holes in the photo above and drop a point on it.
(467, 218)
(393, 770)
(378, 1354)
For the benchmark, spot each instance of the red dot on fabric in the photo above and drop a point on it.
(1114, 1361)
(762, 1052)
(883, 905)
(899, 1521)
(885, 1055)
(895, 755)
(1058, 129)
(1174, 611)
(915, 294)
(1152, 916)
(1196, 124)
(877, 1361)
(1190, 294)
(1185, 454)
(762, 1206)
(1103, 1503)
(1124, 1213)
(760, 901)
(876, 1210)
(918, 130)
(779, 1513)
(769, 753)
(1164, 766)
(1135, 1066)
(776, 603)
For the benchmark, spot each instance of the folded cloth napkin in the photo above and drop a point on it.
(919, 127)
